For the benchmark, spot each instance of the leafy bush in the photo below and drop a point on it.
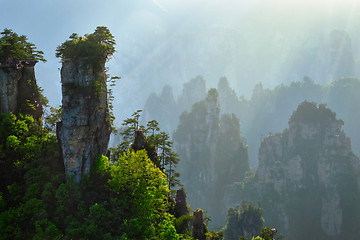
(95, 46)
(16, 51)
(247, 220)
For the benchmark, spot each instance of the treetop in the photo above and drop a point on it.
(95, 46)
(17, 51)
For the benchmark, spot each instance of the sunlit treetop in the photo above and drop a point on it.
(95, 46)
(16, 51)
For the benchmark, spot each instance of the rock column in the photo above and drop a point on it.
(18, 90)
(85, 128)
(199, 228)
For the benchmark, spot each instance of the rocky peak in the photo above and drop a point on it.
(213, 155)
(85, 129)
(140, 140)
(309, 167)
(199, 227)
(213, 109)
(181, 204)
(193, 91)
(18, 90)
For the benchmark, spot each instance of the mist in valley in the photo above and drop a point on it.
(260, 98)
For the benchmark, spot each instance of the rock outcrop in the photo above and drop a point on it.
(213, 155)
(199, 227)
(139, 141)
(308, 177)
(85, 128)
(181, 207)
(18, 90)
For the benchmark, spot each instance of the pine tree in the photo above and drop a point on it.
(168, 159)
(157, 145)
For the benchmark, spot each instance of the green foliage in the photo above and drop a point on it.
(23, 145)
(246, 220)
(130, 125)
(168, 158)
(157, 145)
(136, 181)
(127, 199)
(27, 156)
(153, 126)
(214, 235)
(16, 51)
(110, 99)
(182, 224)
(309, 112)
(52, 118)
(95, 47)
(268, 233)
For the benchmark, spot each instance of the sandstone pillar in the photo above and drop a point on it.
(18, 90)
(85, 128)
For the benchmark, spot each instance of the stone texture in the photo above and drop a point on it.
(85, 129)
(19, 92)
(304, 177)
(140, 140)
(199, 228)
(213, 156)
(181, 204)
(308, 155)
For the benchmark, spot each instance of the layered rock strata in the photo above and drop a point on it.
(85, 128)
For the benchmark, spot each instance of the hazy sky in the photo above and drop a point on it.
(172, 41)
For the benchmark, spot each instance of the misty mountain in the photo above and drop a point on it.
(267, 109)
(167, 43)
(213, 155)
(308, 178)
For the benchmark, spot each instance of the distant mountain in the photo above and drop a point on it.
(213, 155)
(172, 57)
(308, 178)
(267, 110)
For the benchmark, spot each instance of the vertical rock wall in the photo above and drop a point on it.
(199, 228)
(18, 90)
(85, 130)
(309, 166)
(213, 155)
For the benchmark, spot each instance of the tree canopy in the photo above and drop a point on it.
(17, 51)
(95, 46)
(126, 199)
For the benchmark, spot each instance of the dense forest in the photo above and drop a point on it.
(55, 187)
(204, 164)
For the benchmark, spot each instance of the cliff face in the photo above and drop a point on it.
(195, 141)
(308, 176)
(19, 92)
(212, 153)
(85, 129)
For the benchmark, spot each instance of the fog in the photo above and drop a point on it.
(169, 42)
(274, 54)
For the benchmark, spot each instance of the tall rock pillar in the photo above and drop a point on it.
(85, 128)
(18, 89)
